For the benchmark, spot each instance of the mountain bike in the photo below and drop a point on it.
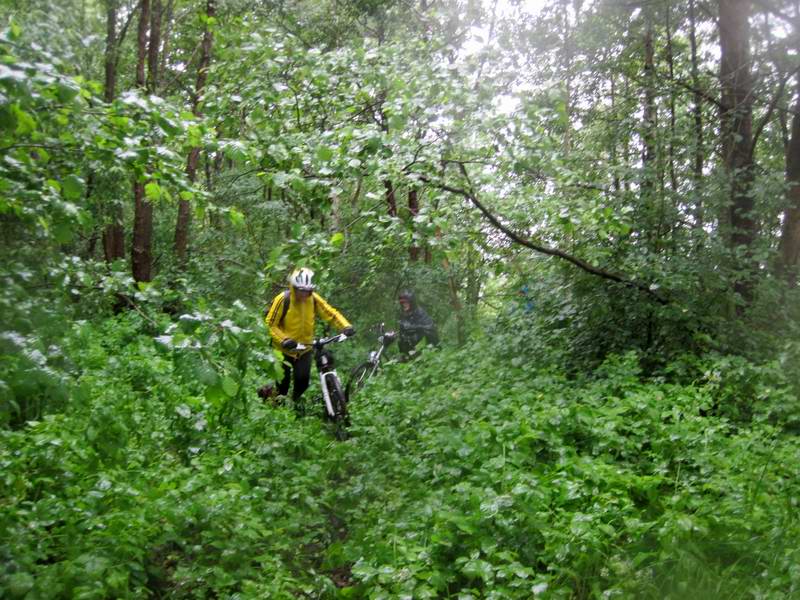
(334, 397)
(360, 374)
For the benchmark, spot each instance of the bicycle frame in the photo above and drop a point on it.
(327, 374)
(384, 339)
(367, 369)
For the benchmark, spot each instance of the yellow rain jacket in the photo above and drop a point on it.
(298, 324)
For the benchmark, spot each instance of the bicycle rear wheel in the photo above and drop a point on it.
(358, 377)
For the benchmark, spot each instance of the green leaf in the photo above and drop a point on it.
(168, 125)
(67, 91)
(236, 217)
(397, 122)
(206, 375)
(229, 386)
(276, 254)
(25, 123)
(14, 30)
(235, 150)
(215, 394)
(153, 191)
(72, 186)
(338, 239)
(62, 232)
(94, 565)
(194, 135)
(324, 153)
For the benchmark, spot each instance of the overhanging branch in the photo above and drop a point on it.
(470, 195)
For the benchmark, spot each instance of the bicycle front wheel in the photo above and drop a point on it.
(358, 377)
(340, 418)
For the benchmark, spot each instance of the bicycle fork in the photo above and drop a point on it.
(326, 396)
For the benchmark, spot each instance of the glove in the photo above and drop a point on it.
(288, 344)
(349, 331)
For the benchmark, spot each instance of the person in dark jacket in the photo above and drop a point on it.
(414, 324)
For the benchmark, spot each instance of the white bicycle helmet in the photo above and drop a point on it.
(302, 279)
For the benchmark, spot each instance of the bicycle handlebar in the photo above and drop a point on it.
(319, 343)
(384, 336)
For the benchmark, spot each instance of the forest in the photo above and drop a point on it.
(596, 201)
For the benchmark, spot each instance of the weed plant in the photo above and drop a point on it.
(471, 473)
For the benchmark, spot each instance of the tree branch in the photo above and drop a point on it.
(470, 195)
(123, 32)
(772, 105)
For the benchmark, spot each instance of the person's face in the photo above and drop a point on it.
(405, 304)
(302, 294)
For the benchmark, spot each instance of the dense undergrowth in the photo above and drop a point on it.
(482, 472)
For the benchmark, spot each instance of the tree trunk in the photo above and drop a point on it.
(183, 223)
(672, 134)
(455, 304)
(413, 209)
(737, 130)
(473, 291)
(614, 158)
(336, 214)
(649, 157)
(167, 22)
(154, 46)
(697, 112)
(566, 72)
(391, 202)
(92, 242)
(114, 232)
(141, 42)
(649, 117)
(184, 209)
(114, 240)
(790, 236)
(110, 91)
(786, 137)
(455, 301)
(626, 147)
(141, 252)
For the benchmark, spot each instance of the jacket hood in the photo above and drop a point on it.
(408, 294)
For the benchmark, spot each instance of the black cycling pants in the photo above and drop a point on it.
(300, 367)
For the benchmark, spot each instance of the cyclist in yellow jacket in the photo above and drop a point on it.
(291, 319)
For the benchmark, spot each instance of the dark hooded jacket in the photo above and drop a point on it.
(414, 326)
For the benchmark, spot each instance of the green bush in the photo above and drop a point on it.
(483, 472)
